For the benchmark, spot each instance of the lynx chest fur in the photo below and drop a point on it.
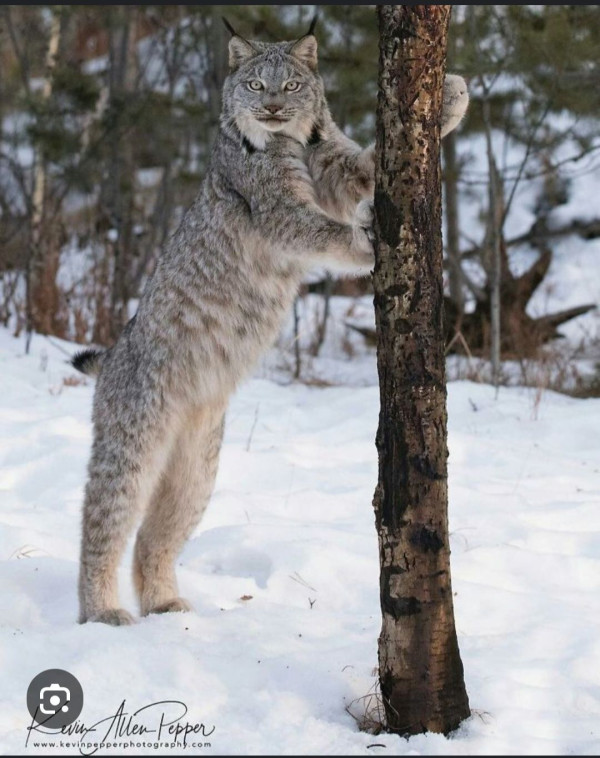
(232, 270)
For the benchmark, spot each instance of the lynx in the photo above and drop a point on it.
(285, 191)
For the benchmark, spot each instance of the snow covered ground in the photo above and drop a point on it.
(283, 572)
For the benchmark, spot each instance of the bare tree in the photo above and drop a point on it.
(42, 263)
(455, 274)
(420, 669)
(493, 259)
(117, 193)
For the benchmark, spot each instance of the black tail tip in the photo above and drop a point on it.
(86, 361)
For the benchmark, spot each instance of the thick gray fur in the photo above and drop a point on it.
(286, 190)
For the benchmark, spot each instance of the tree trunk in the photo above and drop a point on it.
(43, 252)
(117, 192)
(455, 277)
(495, 246)
(451, 176)
(420, 669)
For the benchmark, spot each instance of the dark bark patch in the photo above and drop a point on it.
(426, 468)
(398, 607)
(394, 475)
(388, 219)
(396, 290)
(403, 326)
(427, 540)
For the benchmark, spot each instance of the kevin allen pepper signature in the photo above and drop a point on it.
(163, 720)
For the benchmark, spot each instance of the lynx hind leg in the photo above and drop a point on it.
(176, 508)
(123, 472)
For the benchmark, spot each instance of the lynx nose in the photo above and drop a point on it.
(273, 108)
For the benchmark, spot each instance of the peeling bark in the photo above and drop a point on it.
(420, 668)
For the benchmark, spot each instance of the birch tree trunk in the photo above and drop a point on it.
(420, 669)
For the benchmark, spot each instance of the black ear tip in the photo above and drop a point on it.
(313, 23)
(228, 26)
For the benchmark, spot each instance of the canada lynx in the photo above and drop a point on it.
(286, 190)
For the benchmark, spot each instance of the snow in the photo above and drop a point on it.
(344, 357)
(583, 176)
(568, 282)
(473, 197)
(291, 525)
(95, 65)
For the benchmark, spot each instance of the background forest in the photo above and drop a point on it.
(108, 113)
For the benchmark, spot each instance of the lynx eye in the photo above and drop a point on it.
(292, 86)
(255, 85)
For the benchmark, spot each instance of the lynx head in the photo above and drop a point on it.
(273, 88)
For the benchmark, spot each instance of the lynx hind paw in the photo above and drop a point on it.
(114, 617)
(176, 605)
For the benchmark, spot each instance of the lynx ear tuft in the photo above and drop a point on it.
(306, 50)
(228, 26)
(240, 49)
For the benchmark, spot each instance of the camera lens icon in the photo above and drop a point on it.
(54, 699)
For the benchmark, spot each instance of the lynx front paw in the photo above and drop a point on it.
(456, 102)
(113, 617)
(175, 605)
(364, 214)
(363, 254)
